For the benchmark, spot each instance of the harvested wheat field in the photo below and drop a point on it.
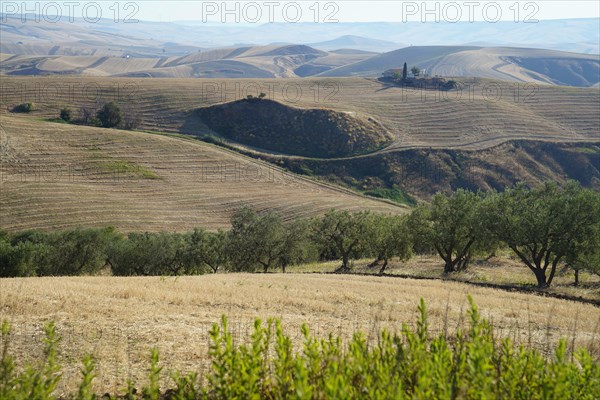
(481, 114)
(119, 320)
(58, 176)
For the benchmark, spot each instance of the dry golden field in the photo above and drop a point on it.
(505, 269)
(119, 320)
(482, 114)
(57, 176)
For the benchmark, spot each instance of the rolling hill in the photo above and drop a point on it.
(235, 62)
(57, 176)
(153, 38)
(474, 136)
(354, 42)
(502, 63)
(480, 114)
(297, 60)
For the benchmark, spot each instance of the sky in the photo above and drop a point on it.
(311, 11)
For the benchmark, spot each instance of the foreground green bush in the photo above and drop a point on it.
(413, 364)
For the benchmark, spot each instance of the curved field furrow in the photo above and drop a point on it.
(82, 176)
(480, 113)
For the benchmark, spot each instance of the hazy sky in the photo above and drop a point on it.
(370, 11)
(313, 11)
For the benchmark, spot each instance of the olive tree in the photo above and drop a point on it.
(388, 237)
(544, 225)
(342, 234)
(109, 115)
(18, 259)
(585, 254)
(208, 249)
(451, 226)
(263, 241)
(295, 247)
(150, 254)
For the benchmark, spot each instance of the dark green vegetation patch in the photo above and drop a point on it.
(270, 125)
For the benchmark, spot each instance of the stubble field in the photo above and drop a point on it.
(119, 320)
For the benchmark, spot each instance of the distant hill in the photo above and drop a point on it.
(504, 63)
(352, 51)
(150, 38)
(357, 43)
(289, 61)
(506, 51)
(230, 62)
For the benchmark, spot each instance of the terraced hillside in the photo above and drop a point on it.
(55, 176)
(480, 114)
(436, 138)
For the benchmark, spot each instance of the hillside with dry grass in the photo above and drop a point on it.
(56, 176)
(421, 173)
(272, 61)
(296, 60)
(479, 114)
(501, 63)
(485, 134)
(120, 319)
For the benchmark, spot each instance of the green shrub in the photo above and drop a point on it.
(154, 254)
(23, 108)
(395, 194)
(35, 382)
(412, 364)
(451, 84)
(65, 114)
(109, 115)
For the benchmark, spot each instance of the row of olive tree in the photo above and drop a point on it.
(75, 252)
(544, 227)
(256, 242)
(89, 251)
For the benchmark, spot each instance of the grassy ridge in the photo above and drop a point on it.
(306, 132)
